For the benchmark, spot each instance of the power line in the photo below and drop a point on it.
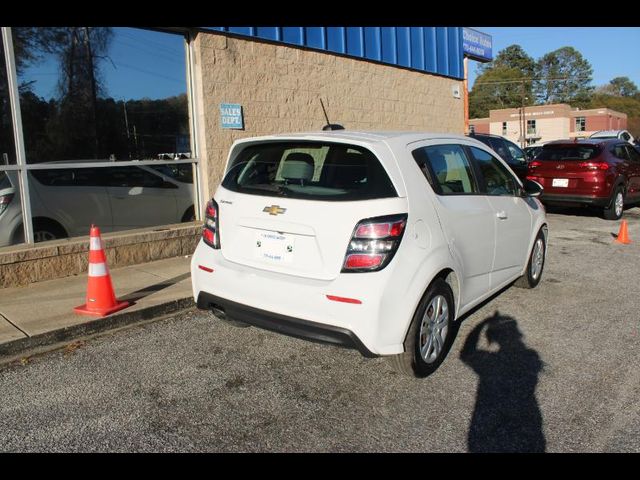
(522, 80)
(151, 43)
(155, 74)
(147, 50)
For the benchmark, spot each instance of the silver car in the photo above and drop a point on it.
(65, 202)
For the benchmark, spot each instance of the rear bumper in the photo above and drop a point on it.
(575, 199)
(294, 327)
(302, 307)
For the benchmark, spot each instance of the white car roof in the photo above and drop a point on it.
(607, 133)
(360, 136)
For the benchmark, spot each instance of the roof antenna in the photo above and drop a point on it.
(329, 126)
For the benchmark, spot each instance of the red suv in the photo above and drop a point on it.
(603, 173)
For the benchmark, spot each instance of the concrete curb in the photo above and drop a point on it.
(11, 349)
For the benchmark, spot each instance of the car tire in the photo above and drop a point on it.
(43, 231)
(615, 208)
(430, 334)
(535, 265)
(189, 215)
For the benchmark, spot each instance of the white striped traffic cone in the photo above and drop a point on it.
(101, 299)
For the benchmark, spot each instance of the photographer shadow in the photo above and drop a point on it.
(506, 417)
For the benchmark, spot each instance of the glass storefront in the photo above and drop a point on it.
(105, 127)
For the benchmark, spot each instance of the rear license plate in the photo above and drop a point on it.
(560, 182)
(274, 247)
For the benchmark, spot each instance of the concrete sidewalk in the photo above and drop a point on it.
(41, 314)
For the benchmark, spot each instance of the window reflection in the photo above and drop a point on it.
(94, 93)
(7, 143)
(70, 200)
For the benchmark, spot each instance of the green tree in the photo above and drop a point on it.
(496, 88)
(503, 83)
(625, 104)
(512, 56)
(563, 76)
(79, 51)
(620, 86)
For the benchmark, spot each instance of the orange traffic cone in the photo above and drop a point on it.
(101, 299)
(623, 234)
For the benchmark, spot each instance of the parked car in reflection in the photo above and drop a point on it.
(66, 201)
(508, 151)
(10, 211)
(620, 134)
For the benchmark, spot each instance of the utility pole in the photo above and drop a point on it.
(135, 139)
(523, 125)
(466, 95)
(126, 123)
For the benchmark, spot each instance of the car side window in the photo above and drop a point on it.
(516, 153)
(498, 145)
(634, 156)
(498, 180)
(447, 169)
(620, 152)
(134, 177)
(76, 177)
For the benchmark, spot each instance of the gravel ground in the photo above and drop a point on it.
(561, 375)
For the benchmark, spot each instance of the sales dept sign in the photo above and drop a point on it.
(231, 116)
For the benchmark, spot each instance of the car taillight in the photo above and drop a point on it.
(374, 243)
(535, 164)
(211, 230)
(5, 200)
(594, 165)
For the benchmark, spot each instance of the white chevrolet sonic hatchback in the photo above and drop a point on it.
(375, 241)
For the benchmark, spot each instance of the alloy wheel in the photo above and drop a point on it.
(537, 259)
(434, 328)
(619, 204)
(43, 236)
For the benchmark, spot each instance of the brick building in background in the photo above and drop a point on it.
(544, 123)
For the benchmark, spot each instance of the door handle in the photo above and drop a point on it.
(502, 215)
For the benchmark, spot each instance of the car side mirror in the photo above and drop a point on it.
(532, 189)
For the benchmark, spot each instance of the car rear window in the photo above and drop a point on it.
(568, 152)
(309, 170)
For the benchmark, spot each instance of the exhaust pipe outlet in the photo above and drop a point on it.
(220, 313)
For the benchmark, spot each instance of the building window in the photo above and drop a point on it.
(504, 128)
(94, 103)
(531, 127)
(581, 124)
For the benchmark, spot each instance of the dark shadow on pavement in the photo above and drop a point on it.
(506, 417)
(156, 287)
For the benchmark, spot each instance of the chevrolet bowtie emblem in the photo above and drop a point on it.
(274, 210)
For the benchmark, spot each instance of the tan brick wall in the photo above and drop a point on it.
(24, 264)
(279, 88)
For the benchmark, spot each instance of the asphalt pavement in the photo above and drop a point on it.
(550, 369)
